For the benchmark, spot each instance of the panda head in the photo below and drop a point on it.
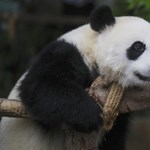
(122, 48)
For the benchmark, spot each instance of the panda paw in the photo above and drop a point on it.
(87, 117)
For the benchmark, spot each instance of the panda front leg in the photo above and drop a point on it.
(53, 89)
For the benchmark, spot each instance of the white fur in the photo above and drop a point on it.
(108, 50)
(23, 134)
(111, 48)
(83, 38)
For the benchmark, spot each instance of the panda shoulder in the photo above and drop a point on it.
(78, 34)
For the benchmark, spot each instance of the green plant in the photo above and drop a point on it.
(139, 8)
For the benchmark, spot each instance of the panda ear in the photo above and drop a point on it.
(101, 17)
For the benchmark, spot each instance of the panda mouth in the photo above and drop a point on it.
(141, 77)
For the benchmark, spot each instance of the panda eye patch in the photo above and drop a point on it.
(136, 49)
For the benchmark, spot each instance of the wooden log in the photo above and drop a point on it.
(12, 108)
(134, 99)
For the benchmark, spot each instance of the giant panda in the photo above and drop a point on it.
(52, 89)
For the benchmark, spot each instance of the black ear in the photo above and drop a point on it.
(101, 17)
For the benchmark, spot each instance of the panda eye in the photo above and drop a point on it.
(138, 46)
(136, 49)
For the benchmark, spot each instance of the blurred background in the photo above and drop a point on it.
(26, 26)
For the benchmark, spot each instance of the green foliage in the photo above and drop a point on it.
(139, 8)
(138, 3)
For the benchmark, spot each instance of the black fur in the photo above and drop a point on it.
(136, 50)
(53, 90)
(116, 138)
(101, 17)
